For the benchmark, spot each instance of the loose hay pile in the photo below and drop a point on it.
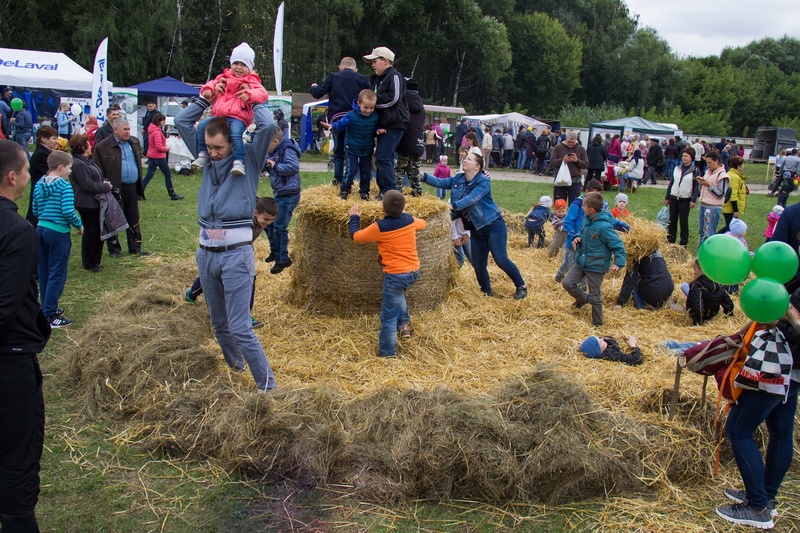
(489, 401)
(334, 275)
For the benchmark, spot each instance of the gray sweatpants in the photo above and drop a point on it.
(572, 283)
(227, 279)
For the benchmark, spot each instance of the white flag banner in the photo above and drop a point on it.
(277, 49)
(100, 82)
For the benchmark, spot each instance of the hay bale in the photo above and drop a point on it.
(644, 238)
(333, 275)
(515, 222)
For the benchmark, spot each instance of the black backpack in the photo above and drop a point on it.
(542, 144)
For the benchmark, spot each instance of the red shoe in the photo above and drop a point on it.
(405, 332)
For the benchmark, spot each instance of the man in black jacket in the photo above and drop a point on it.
(106, 130)
(342, 88)
(655, 158)
(23, 334)
(393, 116)
(412, 144)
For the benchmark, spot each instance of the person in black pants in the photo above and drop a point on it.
(87, 181)
(682, 193)
(597, 154)
(24, 332)
(119, 158)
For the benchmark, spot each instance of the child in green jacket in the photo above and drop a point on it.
(597, 241)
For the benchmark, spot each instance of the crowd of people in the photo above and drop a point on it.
(97, 187)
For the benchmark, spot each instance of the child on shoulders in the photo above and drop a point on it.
(237, 89)
(397, 252)
(536, 219)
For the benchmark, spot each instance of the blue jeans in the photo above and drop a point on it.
(237, 130)
(278, 231)
(463, 251)
(227, 280)
(762, 478)
(493, 238)
(521, 160)
(163, 166)
(357, 165)
(22, 140)
(638, 303)
(384, 159)
(507, 158)
(441, 193)
(707, 220)
(569, 260)
(54, 248)
(394, 310)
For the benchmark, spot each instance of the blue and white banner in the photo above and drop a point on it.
(277, 49)
(100, 99)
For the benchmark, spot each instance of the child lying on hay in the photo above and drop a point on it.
(608, 348)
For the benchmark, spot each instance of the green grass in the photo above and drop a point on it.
(93, 479)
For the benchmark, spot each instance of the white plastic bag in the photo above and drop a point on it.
(563, 178)
(663, 217)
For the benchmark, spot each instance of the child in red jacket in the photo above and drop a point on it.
(236, 90)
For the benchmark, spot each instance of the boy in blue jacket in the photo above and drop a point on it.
(361, 126)
(597, 241)
(283, 163)
(54, 205)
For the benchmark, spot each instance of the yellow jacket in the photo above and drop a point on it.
(738, 192)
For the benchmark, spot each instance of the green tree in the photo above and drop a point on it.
(545, 69)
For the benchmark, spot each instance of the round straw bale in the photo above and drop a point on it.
(336, 276)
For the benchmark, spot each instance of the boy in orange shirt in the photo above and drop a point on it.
(397, 252)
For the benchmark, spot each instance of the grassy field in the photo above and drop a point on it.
(93, 480)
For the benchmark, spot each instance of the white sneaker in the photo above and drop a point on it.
(202, 160)
(238, 168)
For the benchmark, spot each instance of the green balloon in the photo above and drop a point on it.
(764, 300)
(724, 259)
(16, 104)
(776, 260)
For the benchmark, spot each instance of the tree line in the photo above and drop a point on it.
(569, 60)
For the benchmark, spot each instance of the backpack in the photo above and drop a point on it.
(542, 144)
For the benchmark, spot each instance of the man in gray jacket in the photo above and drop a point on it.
(225, 261)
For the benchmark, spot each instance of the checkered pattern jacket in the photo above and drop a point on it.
(768, 364)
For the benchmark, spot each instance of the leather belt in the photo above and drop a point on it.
(218, 249)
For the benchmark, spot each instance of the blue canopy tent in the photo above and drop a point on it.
(166, 86)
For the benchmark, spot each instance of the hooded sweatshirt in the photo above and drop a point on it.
(54, 204)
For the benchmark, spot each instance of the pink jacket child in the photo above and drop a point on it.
(772, 219)
(442, 171)
(237, 89)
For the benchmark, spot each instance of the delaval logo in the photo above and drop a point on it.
(37, 66)
(101, 70)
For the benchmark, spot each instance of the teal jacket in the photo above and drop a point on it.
(599, 240)
(54, 204)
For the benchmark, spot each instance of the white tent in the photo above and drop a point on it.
(507, 120)
(42, 70)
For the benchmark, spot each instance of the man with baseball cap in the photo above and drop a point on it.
(390, 87)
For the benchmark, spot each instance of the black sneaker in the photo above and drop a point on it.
(336, 182)
(59, 322)
(280, 267)
(740, 496)
(256, 323)
(365, 197)
(521, 293)
(59, 312)
(742, 514)
(175, 197)
(379, 198)
(270, 258)
(140, 252)
(115, 255)
(343, 195)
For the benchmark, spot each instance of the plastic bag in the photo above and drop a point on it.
(663, 217)
(563, 178)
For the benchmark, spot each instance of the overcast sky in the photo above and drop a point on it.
(699, 28)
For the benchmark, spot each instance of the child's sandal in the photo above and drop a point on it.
(405, 332)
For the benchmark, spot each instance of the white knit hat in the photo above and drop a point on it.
(546, 201)
(621, 197)
(245, 54)
(738, 226)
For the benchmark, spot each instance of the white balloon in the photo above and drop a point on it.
(76, 109)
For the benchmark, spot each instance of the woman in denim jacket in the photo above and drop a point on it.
(471, 195)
